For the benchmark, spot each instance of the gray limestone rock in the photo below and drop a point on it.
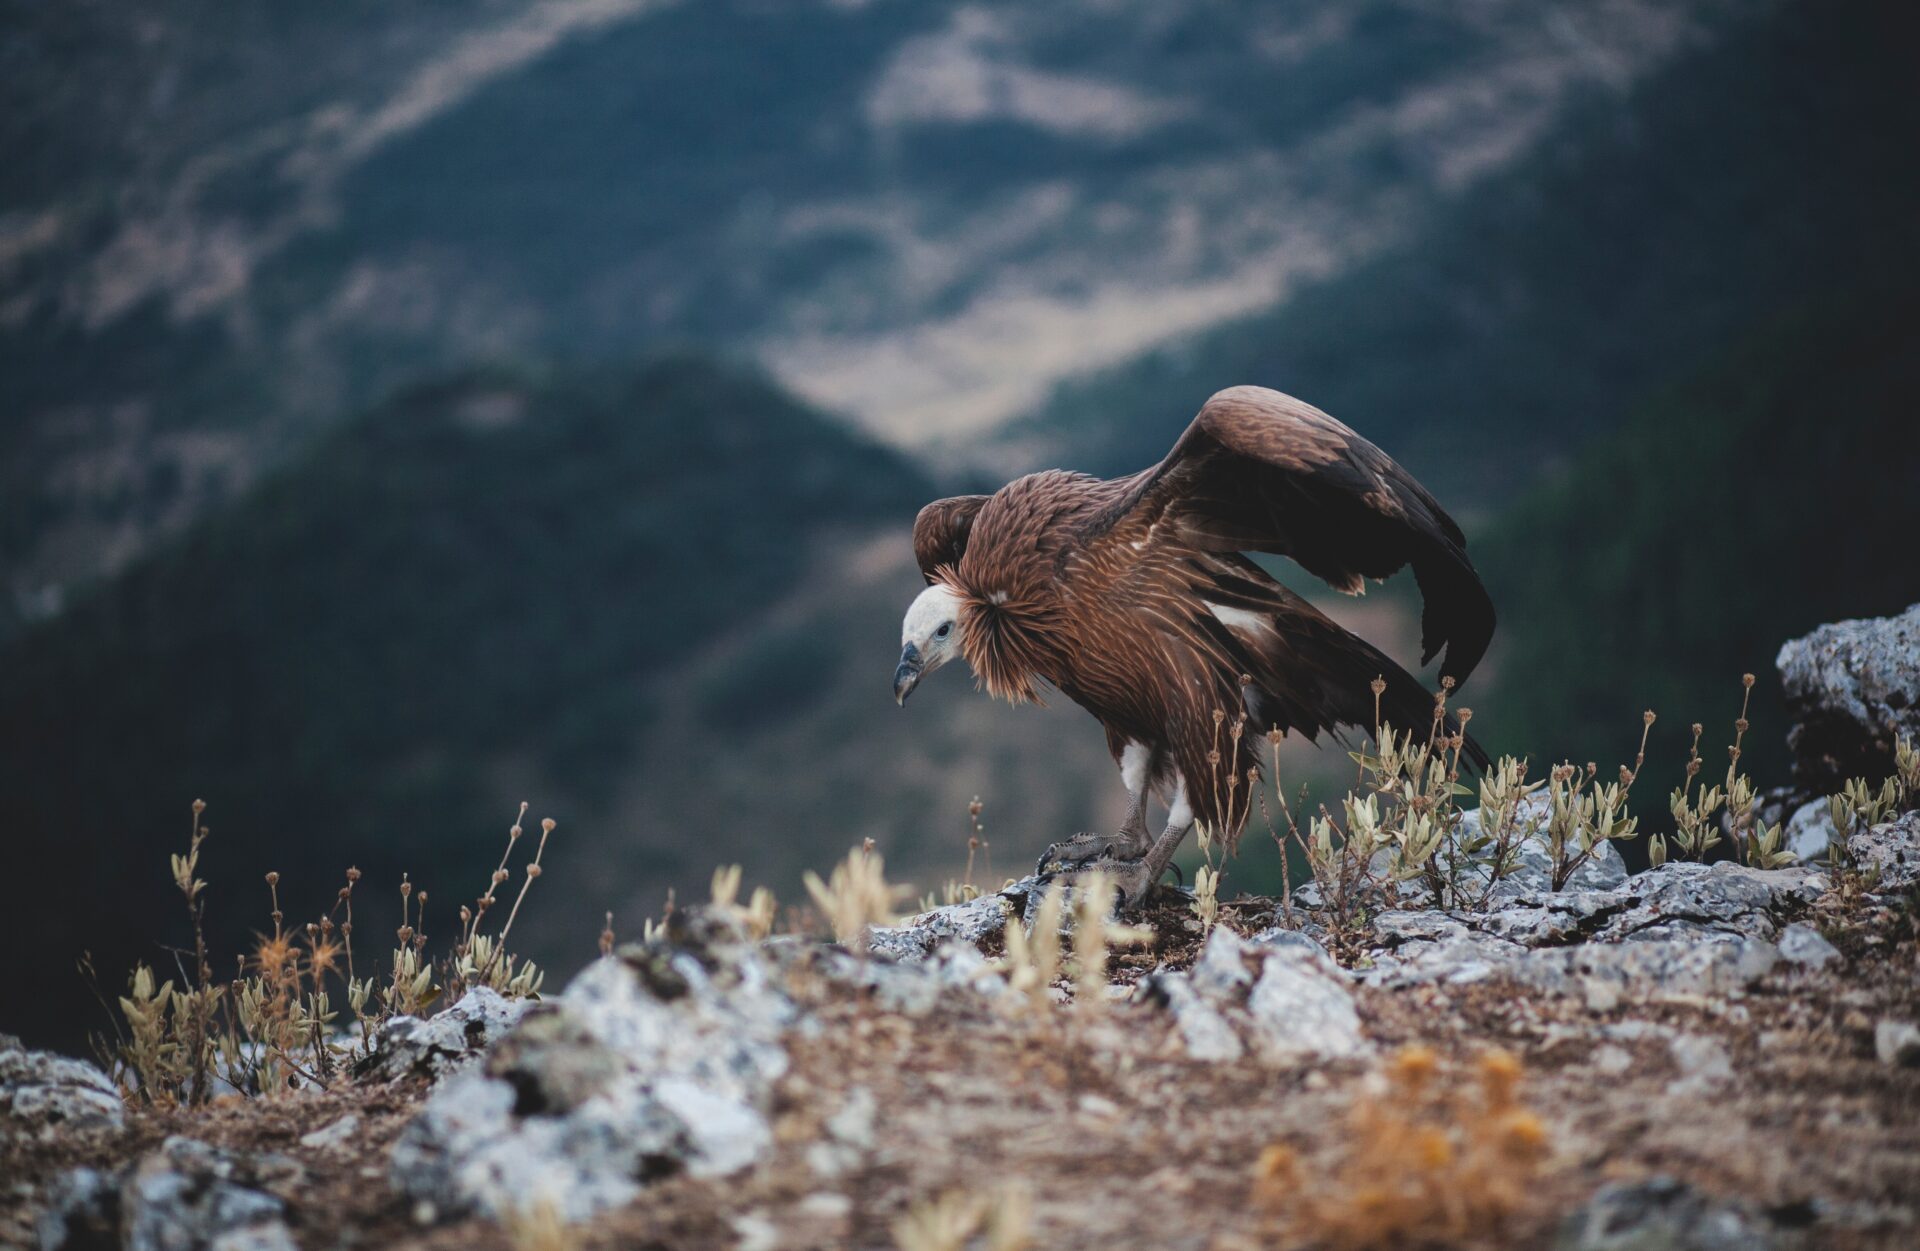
(435, 1045)
(657, 1060)
(1852, 688)
(1661, 1215)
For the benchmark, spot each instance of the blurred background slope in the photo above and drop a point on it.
(407, 409)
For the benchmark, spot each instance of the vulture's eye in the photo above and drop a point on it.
(945, 629)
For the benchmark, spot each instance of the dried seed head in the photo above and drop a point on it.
(1698, 729)
(533, 870)
(974, 807)
(1447, 684)
(515, 831)
(1746, 679)
(423, 899)
(1523, 1134)
(1647, 717)
(353, 875)
(1219, 715)
(199, 806)
(1378, 686)
(499, 876)
(1741, 725)
(1414, 1066)
(1463, 715)
(547, 824)
(273, 879)
(1274, 735)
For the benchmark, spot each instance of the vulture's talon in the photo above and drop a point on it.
(1082, 851)
(1132, 887)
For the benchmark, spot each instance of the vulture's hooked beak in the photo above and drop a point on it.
(907, 676)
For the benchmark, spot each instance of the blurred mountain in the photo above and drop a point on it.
(222, 230)
(1638, 241)
(607, 592)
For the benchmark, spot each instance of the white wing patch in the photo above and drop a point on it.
(1239, 619)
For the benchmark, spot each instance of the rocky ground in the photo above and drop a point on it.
(1697, 1056)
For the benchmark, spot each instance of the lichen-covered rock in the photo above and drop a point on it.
(1852, 688)
(973, 922)
(1204, 1031)
(433, 1046)
(1278, 996)
(1802, 944)
(42, 1094)
(1302, 1008)
(1890, 851)
(657, 1060)
(82, 1210)
(916, 986)
(1662, 1215)
(1810, 833)
(1681, 929)
(187, 1196)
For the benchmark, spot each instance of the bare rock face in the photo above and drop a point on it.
(42, 1094)
(1852, 688)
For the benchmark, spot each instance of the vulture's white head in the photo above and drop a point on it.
(929, 638)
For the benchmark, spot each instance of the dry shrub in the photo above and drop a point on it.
(1426, 1162)
(856, 895)
(277, 1025)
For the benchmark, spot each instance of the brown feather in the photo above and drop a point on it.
(1119, 593)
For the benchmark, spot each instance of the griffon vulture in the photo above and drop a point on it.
(1134, 598)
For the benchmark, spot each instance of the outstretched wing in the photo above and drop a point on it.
(940, 532)
(1263, 472)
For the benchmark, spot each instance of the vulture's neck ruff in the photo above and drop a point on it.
(1007, 636)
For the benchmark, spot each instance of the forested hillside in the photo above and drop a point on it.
(457, 601)
(1778, 488)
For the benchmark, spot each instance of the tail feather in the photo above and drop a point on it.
(1311, 675)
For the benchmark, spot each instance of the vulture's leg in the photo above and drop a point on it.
(1130, 842)
(1136, 878)
(1135, 873)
